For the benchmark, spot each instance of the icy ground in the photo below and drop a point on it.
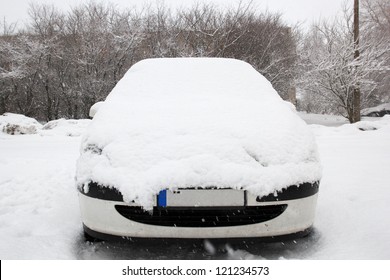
(39, 214)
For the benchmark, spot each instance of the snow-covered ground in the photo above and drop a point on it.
(40, 219)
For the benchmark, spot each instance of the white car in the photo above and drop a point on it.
(197, 148)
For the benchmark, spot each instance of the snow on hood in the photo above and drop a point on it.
(196, 122)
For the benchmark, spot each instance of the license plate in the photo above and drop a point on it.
(201, 198)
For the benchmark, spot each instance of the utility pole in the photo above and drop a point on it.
(356, 91)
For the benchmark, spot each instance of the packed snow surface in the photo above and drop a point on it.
(40, 217)
(196, 122)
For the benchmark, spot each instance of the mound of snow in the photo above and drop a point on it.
(327, 120)
(65, 127)
(196, 122)
(16, 124)
(381, 123)
(378, 111)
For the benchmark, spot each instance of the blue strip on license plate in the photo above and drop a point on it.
(162, 198)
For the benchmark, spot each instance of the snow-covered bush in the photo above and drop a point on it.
(15, 124)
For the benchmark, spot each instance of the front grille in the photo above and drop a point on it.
(202, 216)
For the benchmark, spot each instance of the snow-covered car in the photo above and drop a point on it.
(378, 111)
(197, 148)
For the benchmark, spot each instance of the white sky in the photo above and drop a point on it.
(304, 11)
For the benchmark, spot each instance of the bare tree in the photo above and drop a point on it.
(64, 63)
(332, 70)
(375, 17)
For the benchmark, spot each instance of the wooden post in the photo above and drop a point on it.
(356, 91)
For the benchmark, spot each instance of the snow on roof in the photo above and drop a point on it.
(196, 122)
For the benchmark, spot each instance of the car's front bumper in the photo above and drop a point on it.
(102, 216)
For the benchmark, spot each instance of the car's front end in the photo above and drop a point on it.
(200, 213)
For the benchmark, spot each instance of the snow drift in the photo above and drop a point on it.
(65, 127)
(196, 122)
